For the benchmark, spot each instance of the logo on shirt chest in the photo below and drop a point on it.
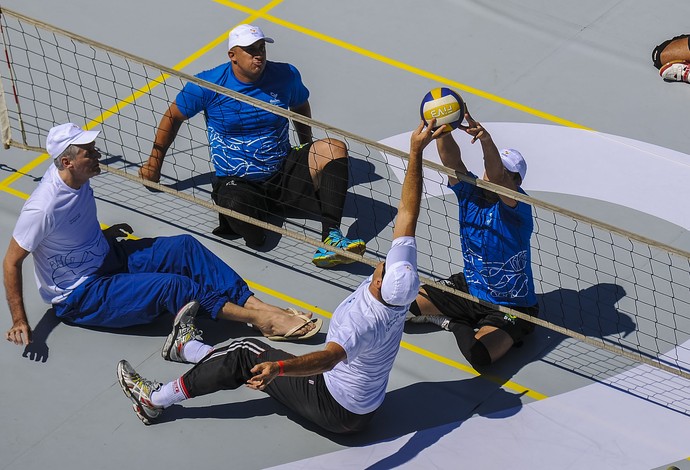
(274, 98)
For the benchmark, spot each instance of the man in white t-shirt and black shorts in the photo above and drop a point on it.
(340, 387)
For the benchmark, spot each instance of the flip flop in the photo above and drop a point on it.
(293, 312)
(291, 336)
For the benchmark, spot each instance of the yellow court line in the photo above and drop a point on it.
(409, 346)
(14, 192)
(23, 171)
(404, 66)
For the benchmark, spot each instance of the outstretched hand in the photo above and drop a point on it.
(475, 129)
(424, 134)
(264, 374)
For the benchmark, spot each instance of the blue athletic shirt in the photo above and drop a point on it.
(495, 240)
(246, 141)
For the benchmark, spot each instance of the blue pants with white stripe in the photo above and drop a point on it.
(142, 279)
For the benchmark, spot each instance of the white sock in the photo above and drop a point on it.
(194, 351)
(169, 394)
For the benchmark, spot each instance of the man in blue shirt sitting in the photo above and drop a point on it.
(495, 233)
(257, 171)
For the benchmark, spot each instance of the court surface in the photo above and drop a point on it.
(570, 84)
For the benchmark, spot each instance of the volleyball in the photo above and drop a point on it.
(445, 105)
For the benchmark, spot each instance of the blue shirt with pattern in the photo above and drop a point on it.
(245, 141)
(495, 240)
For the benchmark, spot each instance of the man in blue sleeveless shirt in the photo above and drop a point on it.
(495, 235)
(256, 169)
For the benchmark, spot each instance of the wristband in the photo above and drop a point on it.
(281, 364)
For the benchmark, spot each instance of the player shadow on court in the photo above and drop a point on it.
(426, 410)
(431, 410)
(591, 312)
(39, 351)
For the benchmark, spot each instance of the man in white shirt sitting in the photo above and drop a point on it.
(340, 387)
(94, 280)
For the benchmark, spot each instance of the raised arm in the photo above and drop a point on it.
(300, 366)
(165, 135)
(303, 131)
(493, 165)
(408, 209)
(449, 151)
(20, 332)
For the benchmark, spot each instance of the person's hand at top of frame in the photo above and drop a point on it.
(424, 134)
(474, 129)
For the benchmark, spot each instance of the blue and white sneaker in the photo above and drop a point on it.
(327, 259)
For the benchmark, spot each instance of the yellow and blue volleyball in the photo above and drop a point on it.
(445, 105)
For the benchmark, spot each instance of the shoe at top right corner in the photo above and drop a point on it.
(676, 71)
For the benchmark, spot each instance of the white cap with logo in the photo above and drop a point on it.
(246, 35)
(514, 162)
(62, 136)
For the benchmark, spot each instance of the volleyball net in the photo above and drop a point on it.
(617, 303)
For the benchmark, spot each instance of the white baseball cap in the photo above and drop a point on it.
(514, 162)
(400, 284)
(246, 35)
(62, 136)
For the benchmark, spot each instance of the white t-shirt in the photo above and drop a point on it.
(59, 226)
(370, 333)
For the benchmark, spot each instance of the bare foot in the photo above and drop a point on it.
(285, 324)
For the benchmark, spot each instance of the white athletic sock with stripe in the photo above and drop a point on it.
(169, 394)
(194, 351)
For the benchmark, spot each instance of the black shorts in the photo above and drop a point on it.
(476, 315)
(289, 188)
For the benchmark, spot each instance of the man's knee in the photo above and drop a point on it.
(184, 243)
(678, 43)
(330, 148)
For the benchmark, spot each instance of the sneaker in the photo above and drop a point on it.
(675, 71)
(439, 320)
(182, 333)
(139, 390)
(327, 259)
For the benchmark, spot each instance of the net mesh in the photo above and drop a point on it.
(616, 303)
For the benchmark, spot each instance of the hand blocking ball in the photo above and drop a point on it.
(446, 106)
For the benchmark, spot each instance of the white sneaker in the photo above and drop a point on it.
(183, 332)
(675, 72)
(139, 390)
